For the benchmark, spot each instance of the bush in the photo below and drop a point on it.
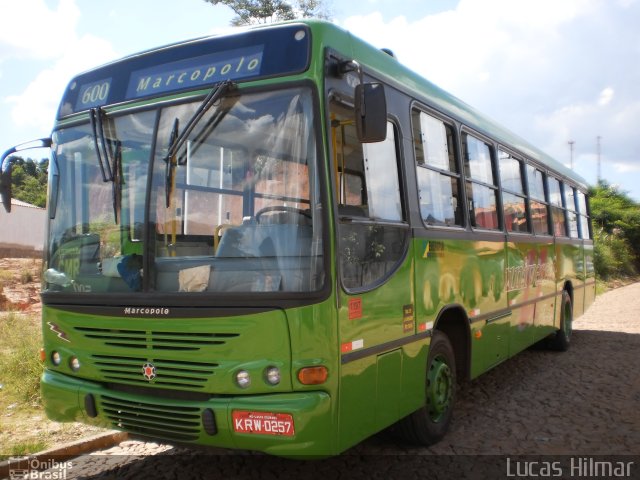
(613, 256)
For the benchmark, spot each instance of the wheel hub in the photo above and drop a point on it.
(439, 388)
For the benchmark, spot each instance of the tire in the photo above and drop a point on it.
(562, 338)
(430, 423)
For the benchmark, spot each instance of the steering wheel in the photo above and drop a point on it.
(282, 208)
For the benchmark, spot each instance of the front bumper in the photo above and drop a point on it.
(69, 399)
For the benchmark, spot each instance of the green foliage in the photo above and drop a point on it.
(250, 12)
(616, 223)
(29, 180)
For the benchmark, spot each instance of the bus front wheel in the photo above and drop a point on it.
(429, 424)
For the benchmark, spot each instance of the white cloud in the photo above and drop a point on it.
(606, 96)
(31, 29)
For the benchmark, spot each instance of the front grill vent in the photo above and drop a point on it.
(168, 373)
(154, 340)
(170, 422)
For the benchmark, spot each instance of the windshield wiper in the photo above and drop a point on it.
(117, 181)
(178, 138)
(108, 160)
(97, 127)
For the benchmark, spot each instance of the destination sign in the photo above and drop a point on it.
(192, 65)
(93, 94)
(195, 72)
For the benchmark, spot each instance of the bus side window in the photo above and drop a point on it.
(481, 183)
(557, 210)
(572, 214)
(584, 216)
(513, 193)
(537, 201)
(437, 171)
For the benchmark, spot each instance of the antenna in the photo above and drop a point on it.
(571, 143)
(598, 149)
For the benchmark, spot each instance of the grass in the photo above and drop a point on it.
(24, 428)
(5, 277)
(26, 448)
(20, 366)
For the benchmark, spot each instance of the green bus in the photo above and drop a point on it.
(283, 240)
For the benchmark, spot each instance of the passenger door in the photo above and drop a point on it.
(375, 279)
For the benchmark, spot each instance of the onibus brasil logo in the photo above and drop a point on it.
(34, 468)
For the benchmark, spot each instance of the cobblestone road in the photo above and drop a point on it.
(582, 402)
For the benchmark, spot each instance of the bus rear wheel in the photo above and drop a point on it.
(430, 423)
(562, 338)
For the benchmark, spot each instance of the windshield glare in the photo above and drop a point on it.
(235, 210)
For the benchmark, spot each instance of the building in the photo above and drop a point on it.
(22, 231)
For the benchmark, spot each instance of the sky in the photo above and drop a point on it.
(552, 71)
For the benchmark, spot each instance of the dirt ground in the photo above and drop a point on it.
(20, 285)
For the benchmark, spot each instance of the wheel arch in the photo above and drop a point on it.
(453, 322)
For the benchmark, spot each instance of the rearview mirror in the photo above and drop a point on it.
(5, 173)
(5, 188)
(371, 112)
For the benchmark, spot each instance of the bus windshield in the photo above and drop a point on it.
(235, 209)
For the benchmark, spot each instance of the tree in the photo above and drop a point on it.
(616, 224)
(29, 180)
(251, 12)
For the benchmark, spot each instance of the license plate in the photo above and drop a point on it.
(263, 423)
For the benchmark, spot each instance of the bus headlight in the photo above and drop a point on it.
(272, 375)
(243, 379)
(74, 363)
(56, 358)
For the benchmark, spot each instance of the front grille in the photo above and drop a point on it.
(155, 340)
(170, 422)
(169, 373)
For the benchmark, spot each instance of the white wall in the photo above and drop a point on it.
(23, 228)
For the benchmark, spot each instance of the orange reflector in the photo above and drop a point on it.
(478, 334)
(313, 375)
(43, 355)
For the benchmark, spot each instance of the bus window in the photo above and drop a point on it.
(537, 201)
(481, 186)
(584, 216)
(557, 211)
(368, 187)
(438, 177)
(513, 197)
(572, 216)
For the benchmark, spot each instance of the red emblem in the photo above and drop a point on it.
(149, 371)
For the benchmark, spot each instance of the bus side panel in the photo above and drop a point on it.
(468, 274)
(357, 401)
(590, 276)
(545, 292)
(531, 291)
(522, 261)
